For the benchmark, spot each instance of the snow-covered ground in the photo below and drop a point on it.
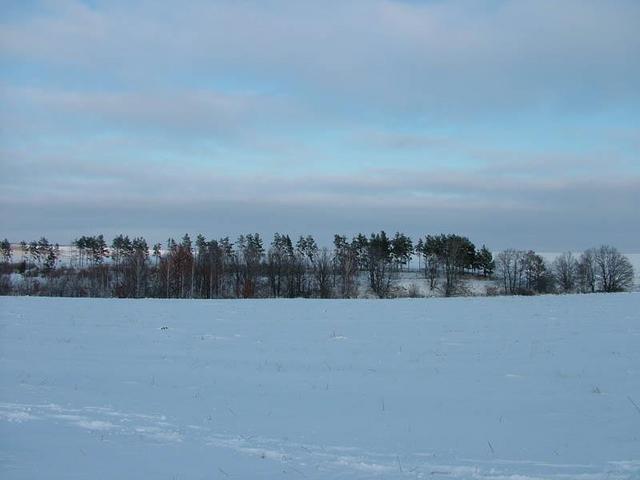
(507, 388)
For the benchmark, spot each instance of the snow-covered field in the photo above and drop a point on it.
(468, 388)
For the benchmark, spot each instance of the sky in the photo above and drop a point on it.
(516, 123)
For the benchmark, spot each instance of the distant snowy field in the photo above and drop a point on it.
(506, 388)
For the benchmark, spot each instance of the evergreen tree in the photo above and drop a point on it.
(401, 250)
(380, 263)
(5, 248)
(485, 261)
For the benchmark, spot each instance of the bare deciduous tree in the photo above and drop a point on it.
(322, 272)
(509, 270)
(587, 272)
(614, 272)
(345, 263)
(565, 271)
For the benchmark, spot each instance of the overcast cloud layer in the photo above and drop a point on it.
(514, 122)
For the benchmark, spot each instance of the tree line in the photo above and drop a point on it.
(249, 268)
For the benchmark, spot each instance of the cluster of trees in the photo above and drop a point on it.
(601, 269)
(91, 250)
(450, 256)
(41, 253)
(379, 256)
(248, 268)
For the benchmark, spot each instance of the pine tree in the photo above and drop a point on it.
(5, 248)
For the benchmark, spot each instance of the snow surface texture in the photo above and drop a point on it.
(506, 388)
